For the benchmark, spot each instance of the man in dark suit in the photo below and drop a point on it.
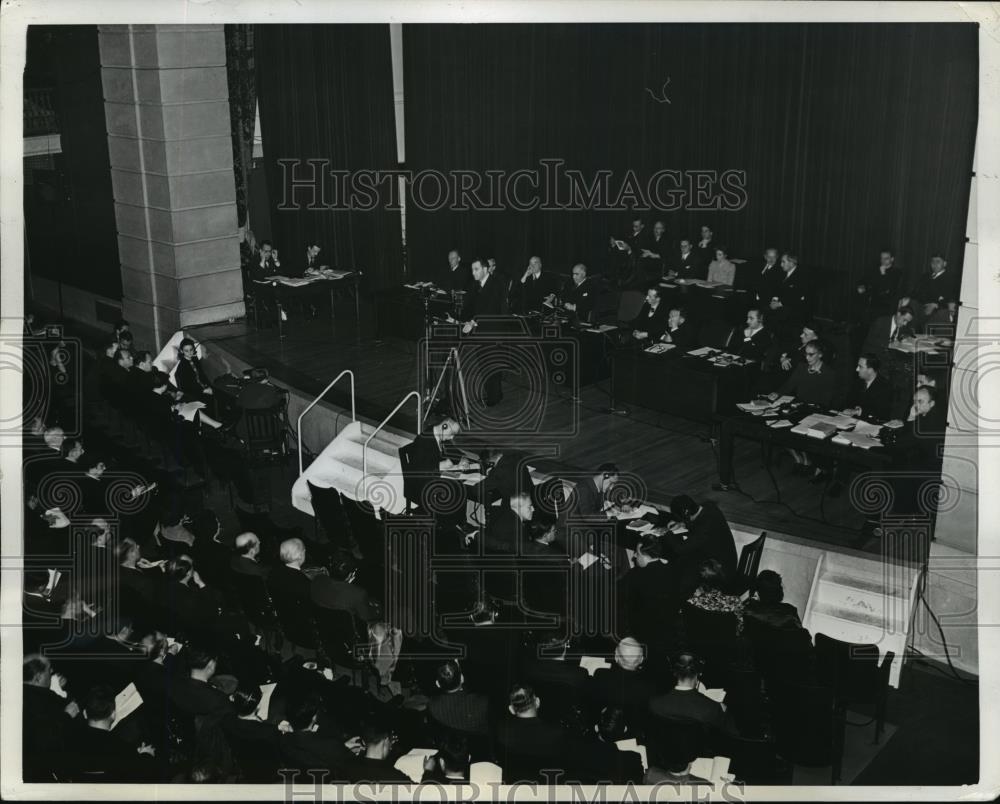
(309, 746)
(267, 263)
(685, 702)
(679, 332)
(536, 288)
(935, 286)
(47, 724)
(757, 339)
(871, 396)
(454, 708)
(652, 599)
(458, 276)
(589, 495)
(791, 300)
(288, 584)
(709, 537)
(765, 280)
(685, 264)
(580, 295)
(423, 461)
(338, 592)
(651, 323)
(888, 329)
(653, 255)
(193, 694)
(100, 755)
(246, 560)
(624, 685)
(485, 300)
(310, 264)
(879, 287)
(943, 322)
(705, 250)
(627, 251)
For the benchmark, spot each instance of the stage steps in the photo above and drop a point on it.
(860, 600)
(339, 466)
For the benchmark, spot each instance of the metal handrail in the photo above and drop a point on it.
(311, 405)
(382, 424)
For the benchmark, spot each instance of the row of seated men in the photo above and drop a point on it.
(201, 718)
(775, 282)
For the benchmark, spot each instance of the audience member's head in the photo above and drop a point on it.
(904, 315)
(522, 506)
(611, 724)
(453, 755)
(447, 428)
(607, 475)
(303, 715)
(292, 553)
(924, 400)
(37, 670)
(187, 349)
(886, 258)
(711, 576)
(449, 676)
(99, 707)
(868, 366)
(248, 545)
(629, 654)
(180, 568)
(721, 253)
(54, 437)
(201, 662)
(682, 508)
(246, 698)
(73, 449)
(789, 262)
(768, 587)
(687, 669)
(579, 272)
(755, 318)
(144, 361)
(378, 736)
(523, 702)
(128, 552)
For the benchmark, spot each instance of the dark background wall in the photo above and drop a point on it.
(853, 137)
(71, 235)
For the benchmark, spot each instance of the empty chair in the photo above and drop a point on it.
(808, 726)
(263, 431)
(329, 511)
(629, 304)
(746, 570)
(716, 334)
(855, 674)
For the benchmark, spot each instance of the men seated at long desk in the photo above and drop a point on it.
(757, 339)
(686, 264)
(871, 395)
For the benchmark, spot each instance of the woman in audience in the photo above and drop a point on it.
(721, 270)
(710, 595)
(766, 606)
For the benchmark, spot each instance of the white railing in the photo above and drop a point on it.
(311, 405)
(382, 424)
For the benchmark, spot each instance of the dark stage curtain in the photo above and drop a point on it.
(853, 138)
(70, 222)
(242, 80)
(325, 92)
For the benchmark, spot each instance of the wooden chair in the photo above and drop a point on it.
(855, 674)
(746, 570)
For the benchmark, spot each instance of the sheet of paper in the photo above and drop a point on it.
(593, 663)
(265, 700)
(640, 525)
(632, 745)
(704, 350)
(867, 428)
(779, 424)
(710, 768)
(659, 348)
(126, 702)
(587, 559)
(635, 513)
(412, 762)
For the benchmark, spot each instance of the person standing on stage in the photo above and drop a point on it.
(484, 299)
(458, 276)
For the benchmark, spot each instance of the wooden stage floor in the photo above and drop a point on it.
(667, 454)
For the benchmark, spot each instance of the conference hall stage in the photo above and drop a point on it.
(566, 428)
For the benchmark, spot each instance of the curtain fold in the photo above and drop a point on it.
(242, 109)
(325, 93)
(853, 138)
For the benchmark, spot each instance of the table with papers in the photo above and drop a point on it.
(282, 291)
(784, 423)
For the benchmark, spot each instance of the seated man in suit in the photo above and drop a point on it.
(193, 694)
(651, 323)
(686, 264)
(708, 537)
(454, 708)
(652, 599)
(721, 269)
(580, 297)
(766, 606)
(423, 462)
(757, 338)
(935, 286)
(288, 583)
(307, 743)
(245, 560)
(625, 685)
(685, 702)
(679, 332)
(871, 396)
(536, 288)
(267, 263)
(458, 276)
(339, 592)
(589, 497)
(887, 330)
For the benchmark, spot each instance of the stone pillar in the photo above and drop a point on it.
(166, 102)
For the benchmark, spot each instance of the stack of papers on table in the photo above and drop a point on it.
(703, 351)
(634, 513)
(294, 281)
(819, 425)
(856, 439)
(333, 273)
(641, 525)
(659, 348)
(602, 328)
(867, 428)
